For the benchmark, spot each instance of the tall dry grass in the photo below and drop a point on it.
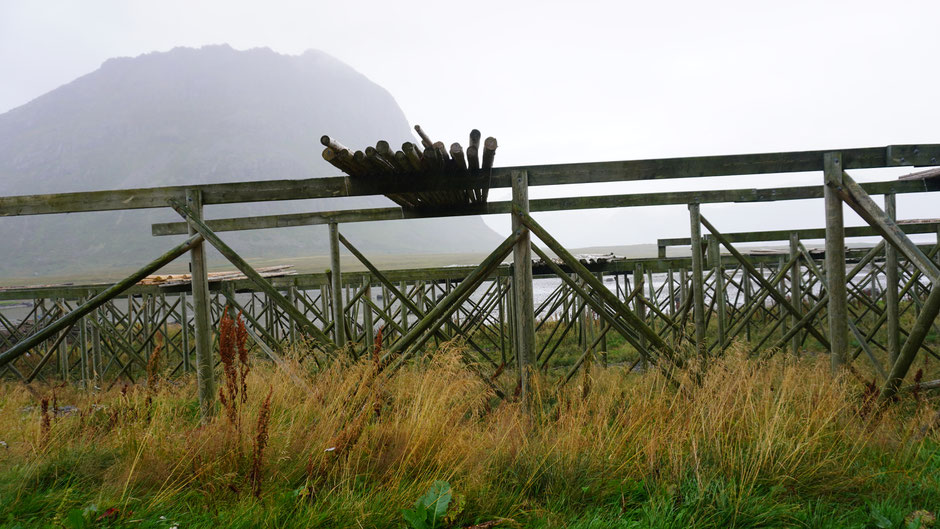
(362, 444)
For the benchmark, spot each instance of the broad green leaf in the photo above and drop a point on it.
(437, 499)
(417, 518)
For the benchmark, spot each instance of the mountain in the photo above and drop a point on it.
(196, 116)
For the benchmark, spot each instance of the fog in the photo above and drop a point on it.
(560, 82)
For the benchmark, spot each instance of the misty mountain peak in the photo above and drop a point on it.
(190, 116)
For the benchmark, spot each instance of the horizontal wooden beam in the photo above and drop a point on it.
(724, 165)
(576, 173)
(535, 205)
(804, 234)
(453, 273)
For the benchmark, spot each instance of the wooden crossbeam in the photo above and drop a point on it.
(811, 233)
(574, 173)
(535, 205)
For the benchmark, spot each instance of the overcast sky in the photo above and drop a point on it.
(567, 81)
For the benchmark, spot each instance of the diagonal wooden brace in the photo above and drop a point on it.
(778, 297)
(69, 319)
(856, 197)
(251, 274)
(401, 296)
(597, 305)
(609, 297)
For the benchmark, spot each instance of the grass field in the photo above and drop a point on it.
(748, 443)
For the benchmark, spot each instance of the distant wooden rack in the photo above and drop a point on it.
(414, 162)
(169, 280)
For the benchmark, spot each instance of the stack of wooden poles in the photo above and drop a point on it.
(412, 161)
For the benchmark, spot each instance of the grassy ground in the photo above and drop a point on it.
(758, 443)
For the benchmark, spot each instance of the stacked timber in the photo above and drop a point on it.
(170, 280)
(930, 177)
(587, 259)
(922, 175)
(431, 159)
(592, 261)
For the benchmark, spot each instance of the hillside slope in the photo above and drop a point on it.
(193, 116)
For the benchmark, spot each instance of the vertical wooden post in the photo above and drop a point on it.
(63, 351)
(146, 319)
(835, 261)
(339, 327)
(698, 278)
(796, 288)
(422, 296)
(165, 317)
(674, 304)
(595, 322)
(891, 285)
(714, 255)
(640, 307)
(670, 277)
(683, 285)
(502, 321)
(129, 328)
(205, 377)
(403, 310)
(325, 306)
(367, 322)
(587, 331)
(782, 289)
(292, 327)
(184, 331)
(96, 349)
(524, 307)
(566, 300)
(269, 316)
(83, 342)
(511, 321)
(437, 339)
(746, 283)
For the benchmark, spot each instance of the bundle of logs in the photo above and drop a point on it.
(413, 161)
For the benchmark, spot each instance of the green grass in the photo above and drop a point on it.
(751, 442)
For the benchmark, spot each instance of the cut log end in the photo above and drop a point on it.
(425, 140)
(332, 144)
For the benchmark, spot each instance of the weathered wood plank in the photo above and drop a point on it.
(576, 173)
(803, 234)
(535, 205)
(523, 302)
(205, 374)
(892, 282)
(698, 278)
(336, 288)
(835, 262)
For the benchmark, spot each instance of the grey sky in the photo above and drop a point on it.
(565, 82)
